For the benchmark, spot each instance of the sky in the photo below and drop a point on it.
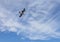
(40, 22)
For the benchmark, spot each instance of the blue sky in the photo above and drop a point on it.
(12, 37)
(40, 22)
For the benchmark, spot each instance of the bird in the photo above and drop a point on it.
(21, 12)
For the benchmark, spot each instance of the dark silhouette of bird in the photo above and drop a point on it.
(21, 12)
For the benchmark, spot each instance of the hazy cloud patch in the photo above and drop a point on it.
(40, 21)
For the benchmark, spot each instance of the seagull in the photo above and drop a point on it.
(21, 12)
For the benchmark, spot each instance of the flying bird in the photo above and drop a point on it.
(21, 12)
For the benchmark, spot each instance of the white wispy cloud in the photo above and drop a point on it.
(40, 21)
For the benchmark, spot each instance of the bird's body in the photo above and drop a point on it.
(22, 12)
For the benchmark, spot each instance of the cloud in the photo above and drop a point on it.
(40, 21)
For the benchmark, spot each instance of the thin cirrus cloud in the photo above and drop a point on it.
(40, 21)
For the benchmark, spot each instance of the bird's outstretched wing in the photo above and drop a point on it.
(20, 15)
(23, 10)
